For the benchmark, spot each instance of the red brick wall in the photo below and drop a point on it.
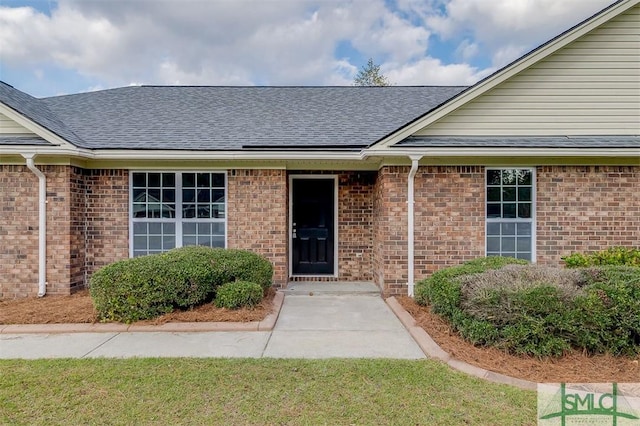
(18, 232)
(390, 230)
(257, 216)
(449, 217)
(586, 209)
(107, 217)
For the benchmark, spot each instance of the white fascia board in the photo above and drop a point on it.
(222, 155)
(500, 76)
(506, 152)
(39, 130)
(179, 155)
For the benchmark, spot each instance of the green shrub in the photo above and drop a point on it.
(615, 256)
(129, 290)
(238, 294)
(540, 311)
(148, 286)
(241, 265)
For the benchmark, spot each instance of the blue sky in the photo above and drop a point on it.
(52, 47)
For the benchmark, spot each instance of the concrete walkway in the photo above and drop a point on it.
(314, 322)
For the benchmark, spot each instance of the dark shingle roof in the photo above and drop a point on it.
(520, 142)
(22, 140)
(36, 110)
(232, 118)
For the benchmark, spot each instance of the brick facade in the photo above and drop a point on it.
(87, 227)
(18, 232)
(586, 209)
(257, 216)
(577, 209)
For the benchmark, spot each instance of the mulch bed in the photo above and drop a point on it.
(572, 368)
(78, 308)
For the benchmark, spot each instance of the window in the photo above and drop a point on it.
(171, 210)
(510, 213)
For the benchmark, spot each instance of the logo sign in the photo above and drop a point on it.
(616, 404)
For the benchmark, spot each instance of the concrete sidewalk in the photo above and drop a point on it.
(311, 324)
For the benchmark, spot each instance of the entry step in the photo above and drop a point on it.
(310, 288)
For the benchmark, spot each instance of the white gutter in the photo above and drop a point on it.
(410, 221)
(42, 226)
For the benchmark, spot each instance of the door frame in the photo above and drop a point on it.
(335, 223)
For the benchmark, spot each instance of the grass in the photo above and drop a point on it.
(253, 391)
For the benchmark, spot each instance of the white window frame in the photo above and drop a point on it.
(516, 220)
(178, 220)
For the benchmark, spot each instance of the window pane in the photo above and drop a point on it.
(153, 180)
(153, 210)
(493, 244)
(188, 180)
(524, 177)
(524, 194)
(169, 195)
(492, 253)
(509, 194)
(139, 228)
(153, 195)
(524, 244)
(493, 229)
(169, 211)
(204, 228)
(203, 180)
(217, 228)
(524, 229)
(493, 194)
(189, 228)
(508, 229)
(217, 241)
(217, 211)
(509, 177)
(139, 180)
(189, 211)
(493, 210)
(508, 254)
(217, 180)
(218, 195)
(525, 256)
(189, 241)
(204, 212)
(169, 228)
(155, 242)
(509, 210)
(139, 194)
(508, 244)
(188, 195)
(204, 196)
(168, 180)
(155, 228)
(168, 242)
(139, 210)
(139, 242)
(524, 210)
(493, 177)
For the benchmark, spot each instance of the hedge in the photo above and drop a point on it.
(533, 310)
(238, 294)
(149, 286)
(615, 256)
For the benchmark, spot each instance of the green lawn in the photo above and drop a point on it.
(262, 391)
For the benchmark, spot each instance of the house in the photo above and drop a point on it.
(381, 184)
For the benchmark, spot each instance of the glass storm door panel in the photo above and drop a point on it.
(313, 226)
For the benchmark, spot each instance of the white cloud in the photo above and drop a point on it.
(288, 42)
(508, 28)
(434, 72)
